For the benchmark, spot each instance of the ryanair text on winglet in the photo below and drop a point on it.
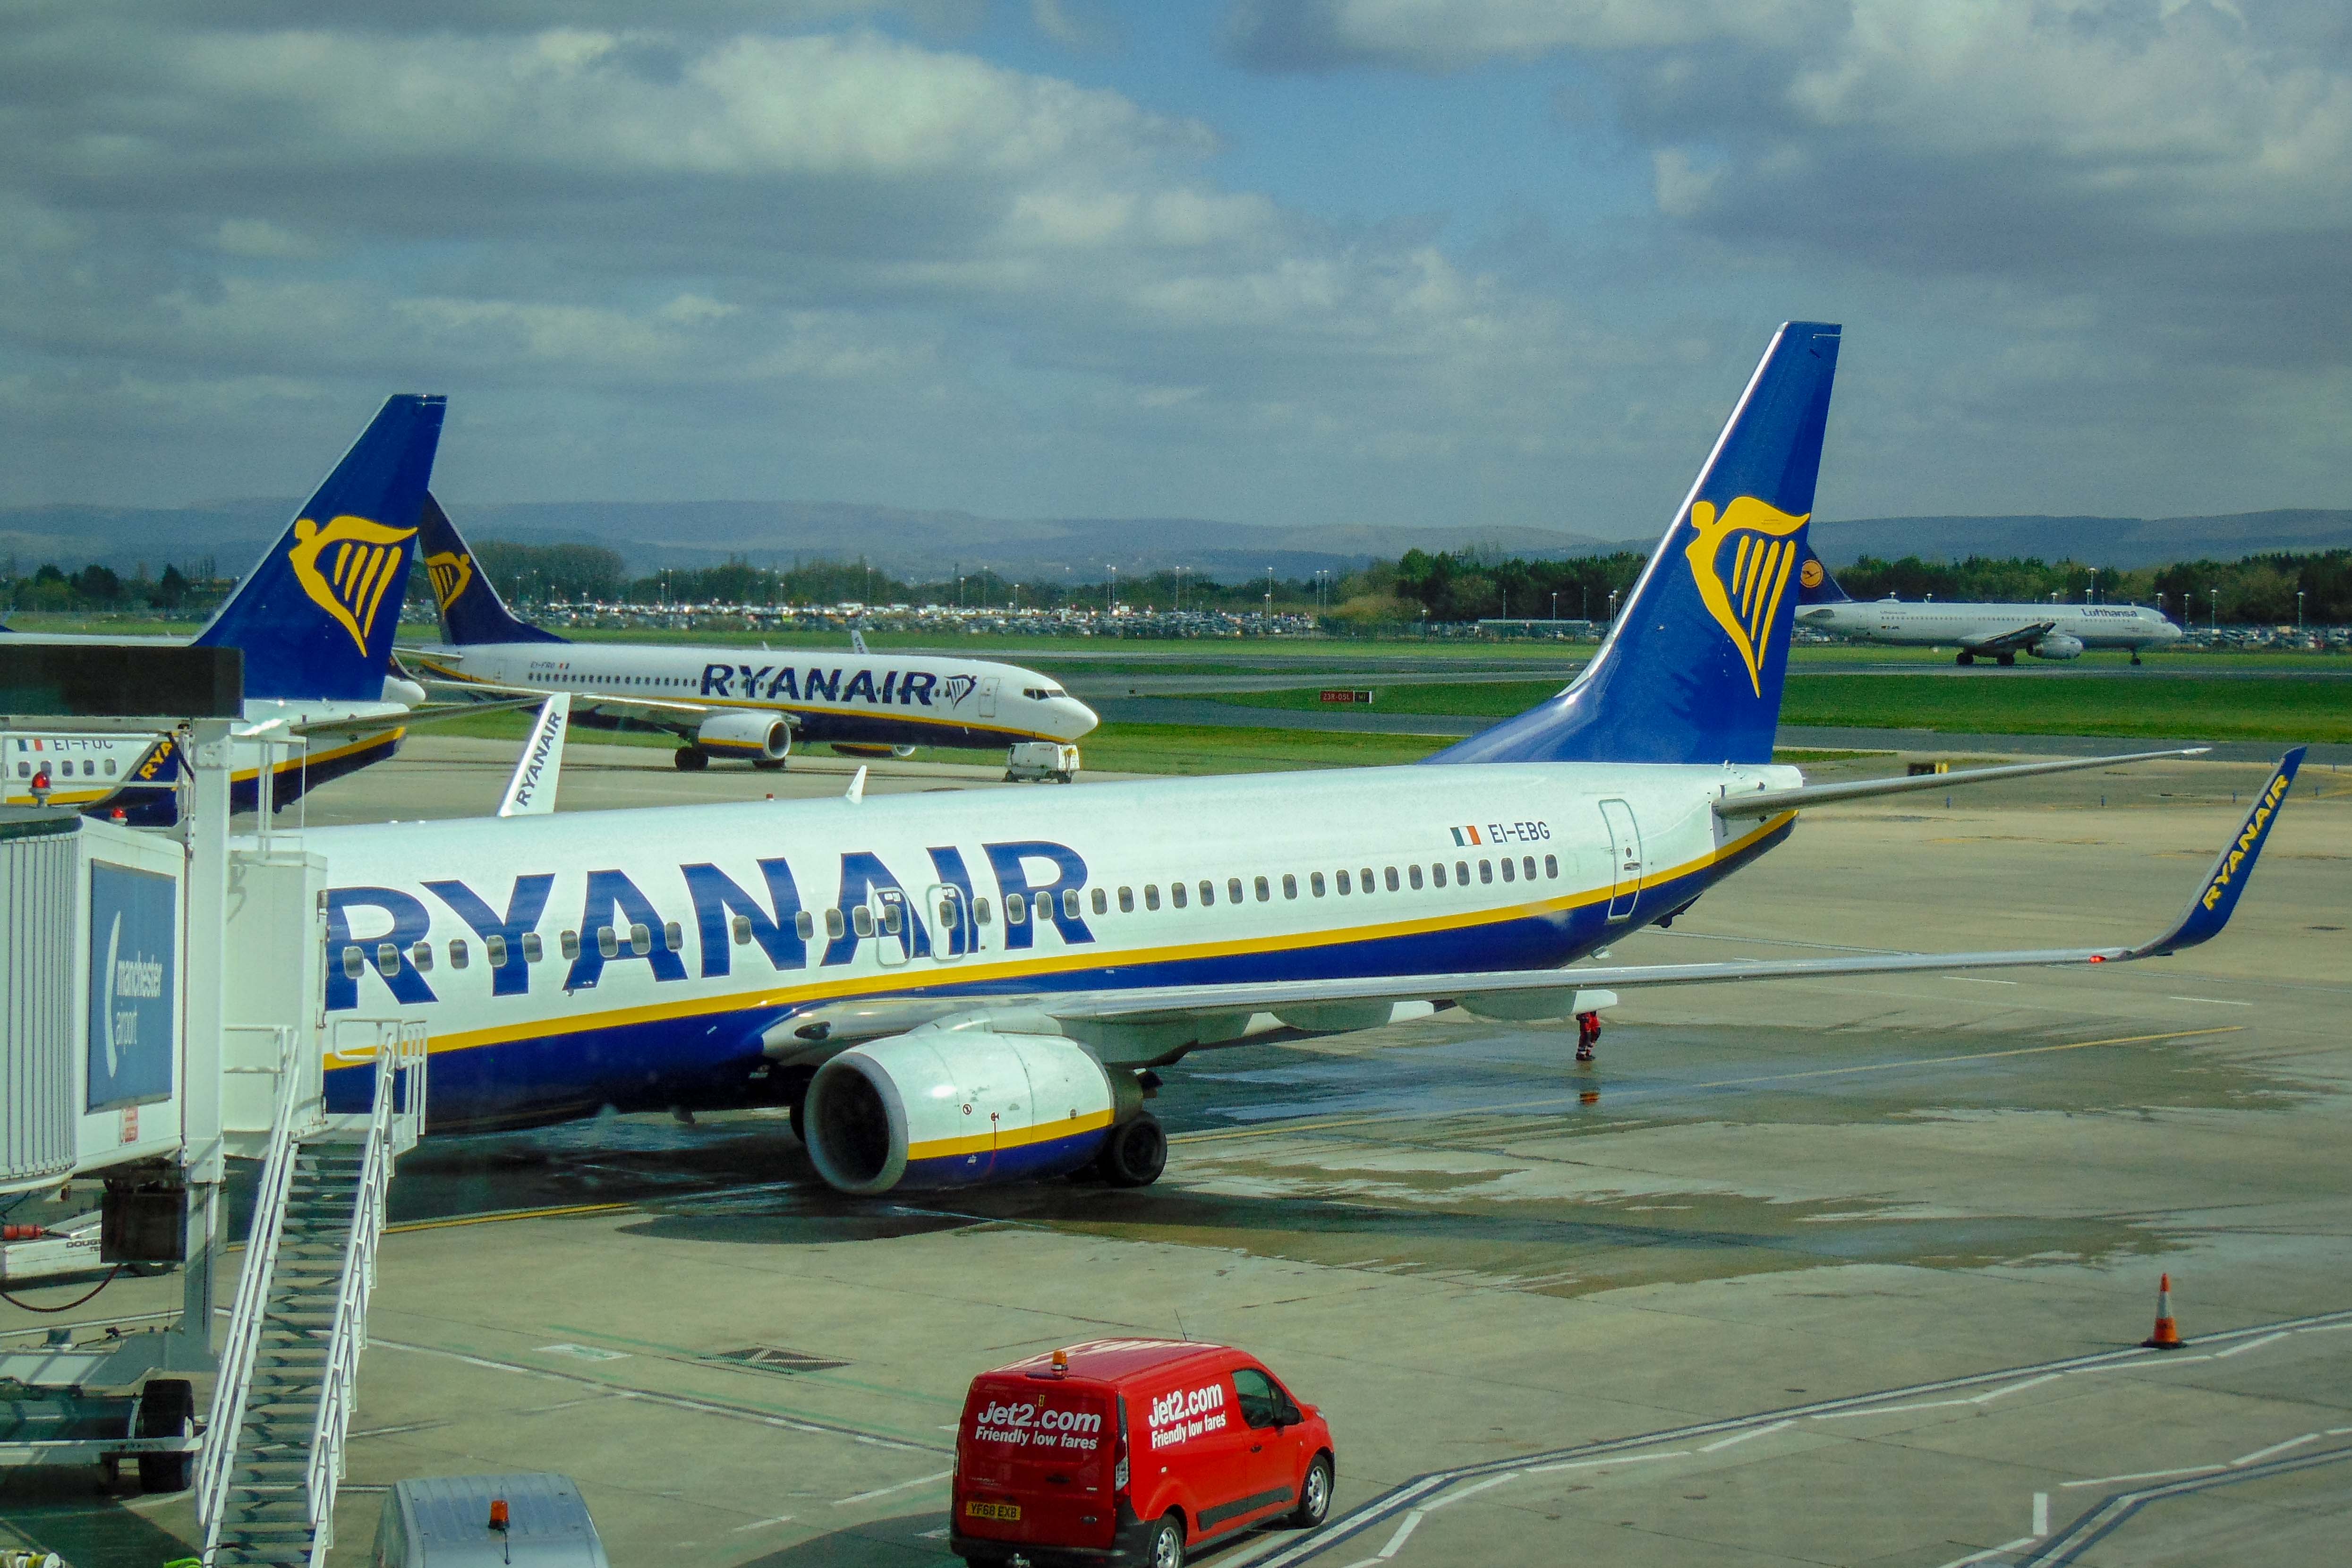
(2252, 835)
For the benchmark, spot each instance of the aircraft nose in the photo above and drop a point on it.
(1080, 718)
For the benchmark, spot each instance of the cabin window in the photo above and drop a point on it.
(1232, 889)
(1364, 878)
(608, 941)
(533, 951)
(387, 959)
(354, 963)
(1070, 903)
(1208, 892)
(1462, 872)
(1437, 874)
(1127, 900)
(110, 767)
(641, 939)
(1506, 867)
(673, 939)
(1551, 868)
(834, 925)
(1344, 889)
(861, 920)
(421, 956)
(1289, 886)
(979, 911)
(740, 928)
(1412, 874)
(804, 926)
(890, 918)
(569, 944)
(1102, 901)
(1527, 867)
(1176, 894)
(1151, 895)
(1485, 871)
(458, 956)
(494, 951)
(1315, 883)
(1390, 881)
(1263, 892)
(1017, 910)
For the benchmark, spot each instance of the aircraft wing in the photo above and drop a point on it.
(2015, 640)
(410, 718)
(826, 1028)
(1767, 801)
(532, 696)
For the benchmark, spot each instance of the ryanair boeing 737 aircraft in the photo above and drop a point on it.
(951, 989)
(731, 702)
(315, 620)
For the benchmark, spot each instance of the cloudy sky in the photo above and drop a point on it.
(1432, 262)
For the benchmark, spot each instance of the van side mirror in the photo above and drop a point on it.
(1286, 1415)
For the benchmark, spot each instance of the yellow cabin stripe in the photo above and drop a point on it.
(1017, 1138)
(962, 972)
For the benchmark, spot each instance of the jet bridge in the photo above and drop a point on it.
(163, 995)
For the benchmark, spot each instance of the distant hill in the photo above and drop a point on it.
(2094, 540)
(932, 545)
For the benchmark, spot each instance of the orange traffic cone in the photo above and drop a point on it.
(2166, 1336)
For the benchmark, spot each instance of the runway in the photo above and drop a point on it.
(1829, 1271)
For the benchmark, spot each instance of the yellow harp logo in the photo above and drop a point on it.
(450, 572)
(347, 568)
(1744, 594)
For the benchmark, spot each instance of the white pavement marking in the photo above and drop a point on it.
(1403, 1534)
(886, 1491)
(763, 1524)
(1889, 1409)
(2210, 1000)
(2041, 1515)
(2142, 1476)
(1990, 1551)
(2014, 1387)
(1979, 980)
(1599, 1464)
(583, 1353)
(1743, 1437)
(2142, 1364)
(1450, 1498)
(2248, 1345)
(2274, 1448)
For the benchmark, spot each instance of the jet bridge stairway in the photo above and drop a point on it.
(266, 1492)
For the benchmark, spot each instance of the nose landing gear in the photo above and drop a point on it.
(1588, 1036)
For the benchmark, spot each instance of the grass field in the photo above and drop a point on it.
(2177, 706)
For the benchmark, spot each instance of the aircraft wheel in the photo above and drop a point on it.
(1135, 1153)
(691, 760)
(2007, 660)
(1965, 660)
(167, 1408)
(769, 764)
(800, 1117)
(2134, 658)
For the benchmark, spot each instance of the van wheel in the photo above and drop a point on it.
(1314, 1495)
(1164, 1547)
(1135, 1153)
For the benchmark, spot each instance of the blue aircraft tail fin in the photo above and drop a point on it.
(1692, 670)
(1814, 584)
(317, 618)
(471, 610)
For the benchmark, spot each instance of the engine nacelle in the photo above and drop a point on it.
(2057, 645)
(753, 737)
(940, 1107)
(405, 692)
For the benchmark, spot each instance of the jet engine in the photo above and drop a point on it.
(944, 1107)
(2057, 645)
(753, 737)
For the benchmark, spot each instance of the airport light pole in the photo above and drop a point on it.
(2091, 594)
(2298, 609)
(2213, 606)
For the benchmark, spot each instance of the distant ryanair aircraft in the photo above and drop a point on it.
(1997, 632)
(731, 702)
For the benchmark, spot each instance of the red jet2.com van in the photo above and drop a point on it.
(1131, 1451)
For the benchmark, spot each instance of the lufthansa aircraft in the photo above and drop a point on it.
(1998, 632)
(316, 620)
(730, 703)
(950, 989)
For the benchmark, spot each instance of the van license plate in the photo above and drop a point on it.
(1010, 1511)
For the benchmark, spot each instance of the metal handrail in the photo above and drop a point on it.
(218, 1461)
(394, 1122)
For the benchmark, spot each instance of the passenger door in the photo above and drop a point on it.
(1270, 1460)
(988, 697)
(1626, 858)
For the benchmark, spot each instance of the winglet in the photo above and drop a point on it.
(2210, 911)
(531, 790)
(856, 792)
(856, 640)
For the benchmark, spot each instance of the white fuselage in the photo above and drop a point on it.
(88, 769)
(1930, 624)
(874, 699)
(750, 914)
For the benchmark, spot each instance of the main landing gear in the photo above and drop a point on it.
(1588, 1036)
(691, 759)
(2134, 655)
(1134, 1154)
(1964, 659)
